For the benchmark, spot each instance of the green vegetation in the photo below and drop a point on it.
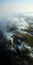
(28, 38)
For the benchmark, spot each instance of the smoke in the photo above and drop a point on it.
(8, 28)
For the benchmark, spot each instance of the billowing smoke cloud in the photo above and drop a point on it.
(8, 28)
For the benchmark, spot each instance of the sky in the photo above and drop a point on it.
(15, 6)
